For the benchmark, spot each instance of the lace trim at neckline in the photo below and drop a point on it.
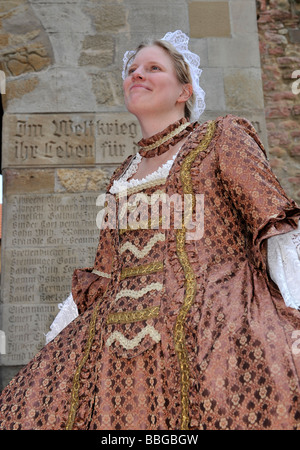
(123, 182)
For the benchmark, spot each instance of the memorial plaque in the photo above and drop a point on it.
(46, 238)
(49, 227)
(46, 140)
(24, 330)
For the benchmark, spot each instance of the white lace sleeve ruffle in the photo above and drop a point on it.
(68, 312)
(284, 265)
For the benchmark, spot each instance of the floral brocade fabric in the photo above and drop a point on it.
(177, 332)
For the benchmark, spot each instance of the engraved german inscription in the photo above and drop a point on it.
(32, 140)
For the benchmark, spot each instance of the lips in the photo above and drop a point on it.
(139, 86)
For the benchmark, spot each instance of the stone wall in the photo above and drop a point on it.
(65, 129)
(279, 37)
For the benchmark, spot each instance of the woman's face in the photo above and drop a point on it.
(152, 85)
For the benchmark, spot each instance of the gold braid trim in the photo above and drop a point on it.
(76, 379)
(142, 270)
(158, 237)
(140, 187)
(130, 344)
(166, 138)
(190, 280)
(101, 274)
(133, 316)
(133, 293)
(146, 225)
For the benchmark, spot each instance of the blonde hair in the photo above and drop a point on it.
(182, 69)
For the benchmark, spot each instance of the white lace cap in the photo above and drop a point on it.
(180, 42)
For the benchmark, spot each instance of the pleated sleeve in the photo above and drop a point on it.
(252, 186)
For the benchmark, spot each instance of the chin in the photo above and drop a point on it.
(139, 108)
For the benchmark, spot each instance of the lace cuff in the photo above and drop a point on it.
(68, 312)
(284, 265)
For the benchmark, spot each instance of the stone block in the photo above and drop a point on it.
(28, 181)
(278, 152)
(96, 58)
(82, 180)
(296, 110)
(37, 61)
(277, 164)
(234, 52)
(278, 112)
(243, 17)
(17, 67)
(292, 62)
(109, 17)
(99, 42)
(66, 47)
(289, 124)
(27, 47)
(64, 16)
(273, 37)
(20, 19)
(295, 151)
(26, 59)
(276, 51)
(55, 140)
(4, 39)
(57, 89)
(107, 88)
(212, 83)
(7, 5)
(200, 47)
(17, 88)
(154, 19)
(294, 36)
(243, 89)
(209, 19)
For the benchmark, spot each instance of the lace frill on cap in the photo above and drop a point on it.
(148, 146)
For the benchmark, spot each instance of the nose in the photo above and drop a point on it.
(138, 74)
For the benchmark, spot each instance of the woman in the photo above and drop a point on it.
(176, 329)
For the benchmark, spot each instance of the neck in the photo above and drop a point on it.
(154, 124)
